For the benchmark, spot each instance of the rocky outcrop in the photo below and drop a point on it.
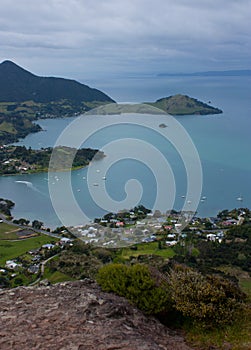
(78, 316)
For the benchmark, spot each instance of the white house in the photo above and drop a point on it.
(170, 243)
(211, 237)
(48, 246)
(10, 264)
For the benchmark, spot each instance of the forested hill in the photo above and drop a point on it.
(18, 85)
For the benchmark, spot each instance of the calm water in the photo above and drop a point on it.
(223, 142)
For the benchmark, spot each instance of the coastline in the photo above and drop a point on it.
(45, 170)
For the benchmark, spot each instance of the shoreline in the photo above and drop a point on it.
(41, 171)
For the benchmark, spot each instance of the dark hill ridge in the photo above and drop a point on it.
(19, 85)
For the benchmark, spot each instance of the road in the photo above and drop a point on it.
(24, 227)
(44, 262)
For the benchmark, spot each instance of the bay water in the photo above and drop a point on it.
(223, 142)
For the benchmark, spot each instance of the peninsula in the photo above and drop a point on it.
(20, 160)
(25, 97)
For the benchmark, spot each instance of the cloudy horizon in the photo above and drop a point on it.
(77, 38)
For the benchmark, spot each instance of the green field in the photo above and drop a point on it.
(147, 249)
(56, 276)
(12, 249)
(8, 231)
(7, 127)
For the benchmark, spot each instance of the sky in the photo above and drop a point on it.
(91, 38)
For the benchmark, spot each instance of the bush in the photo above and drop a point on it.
(208, 299)
(137, 285)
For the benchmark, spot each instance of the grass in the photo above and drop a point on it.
(56, 276)
(12, 249)
(8, 127)
(8, 231)
(242, 276)
(234, 337)
(245, 284)
(147, 249)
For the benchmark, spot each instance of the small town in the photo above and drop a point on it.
(141, 226)
(125, 229)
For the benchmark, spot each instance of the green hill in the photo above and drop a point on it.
(25, 97)
(19, 85)
(24, 94)
(184, 105)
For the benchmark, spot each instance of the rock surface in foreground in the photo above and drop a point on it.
(77, 316)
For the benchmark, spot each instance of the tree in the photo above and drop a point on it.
(21, 221)
(37, 224)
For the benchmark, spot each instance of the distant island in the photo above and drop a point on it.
(184, 105)
(215, 73)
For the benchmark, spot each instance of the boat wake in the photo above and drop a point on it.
(29, 185)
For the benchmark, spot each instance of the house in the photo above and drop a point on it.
(92, 229)
(91, 235)
(84, 232)
(220, 234)
(145, 231)
(10, 264)
(230, 222)
(140, 223)
(65, 240)
(120, 224)
(158, 227)
(211, 237)
(33, 269)
(48, 246)
(170, 243)
(34, 251)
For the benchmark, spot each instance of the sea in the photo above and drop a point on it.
(198, 161)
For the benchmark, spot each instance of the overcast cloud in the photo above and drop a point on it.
(91, 37)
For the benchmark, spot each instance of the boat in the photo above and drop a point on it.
(103, 178)
(183, 196)
(78, 190)
(95, 184)
(162, 125)
(204, 197)
(240, 199)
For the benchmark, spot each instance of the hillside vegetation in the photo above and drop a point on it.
(184, 105)
(19, 85)
(25, 97)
